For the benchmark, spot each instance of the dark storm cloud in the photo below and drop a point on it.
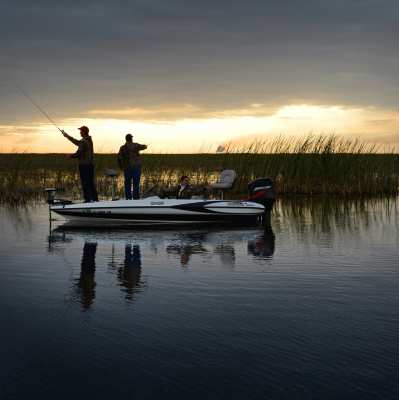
(76, 56)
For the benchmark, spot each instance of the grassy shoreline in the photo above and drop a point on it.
(295, 174)
(309, 166)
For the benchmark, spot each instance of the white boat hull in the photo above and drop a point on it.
(154, 210)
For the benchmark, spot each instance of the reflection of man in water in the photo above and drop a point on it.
(185, 252)
(85, 285)
(227, 254)
(191, 244)
(129, 275)
(263, 245)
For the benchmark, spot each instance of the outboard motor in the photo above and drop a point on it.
(262, 191)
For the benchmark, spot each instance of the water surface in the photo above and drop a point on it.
(306, 310)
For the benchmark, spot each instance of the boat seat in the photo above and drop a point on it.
(226, 181)
(112, 173)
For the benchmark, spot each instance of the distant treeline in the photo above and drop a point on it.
(311, 166)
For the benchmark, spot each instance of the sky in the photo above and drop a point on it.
(188, 76)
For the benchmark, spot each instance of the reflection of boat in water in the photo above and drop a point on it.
(216, 237)
(263, 245)
(127, 251)
(184, 244)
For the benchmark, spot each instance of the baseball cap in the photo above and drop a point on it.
(84, 129)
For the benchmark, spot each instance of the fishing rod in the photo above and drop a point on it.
(36, 105)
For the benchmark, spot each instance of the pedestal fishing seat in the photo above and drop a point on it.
(225, 182)
(112, 174)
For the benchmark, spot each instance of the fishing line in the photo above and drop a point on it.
(36, 105)
(12, 58)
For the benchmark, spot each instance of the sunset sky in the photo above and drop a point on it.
(186, 76)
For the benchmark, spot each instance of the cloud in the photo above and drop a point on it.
(198, 69)
(183, 128)
(369, 124)
(19, 138)
(182, 111)
(77, 55)
(18, 130)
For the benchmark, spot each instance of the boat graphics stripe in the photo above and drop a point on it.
(197, 207)
(202, 207)
(160, 217)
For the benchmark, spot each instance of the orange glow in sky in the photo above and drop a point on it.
(188, 129)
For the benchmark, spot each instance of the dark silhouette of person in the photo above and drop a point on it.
(184, 190)
(130, 274)
(130, 163)
(85, 285)
(85, 156)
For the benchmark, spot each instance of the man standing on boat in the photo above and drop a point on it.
(129, 161)
(85, 154)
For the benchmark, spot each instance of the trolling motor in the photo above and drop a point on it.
(51, 200)
(262, 191)
(51, 197)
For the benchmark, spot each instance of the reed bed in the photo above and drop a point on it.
(312, 165)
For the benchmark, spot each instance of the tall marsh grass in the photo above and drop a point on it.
(310, 165)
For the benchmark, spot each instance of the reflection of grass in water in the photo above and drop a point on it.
(326, 215)
(309, 165)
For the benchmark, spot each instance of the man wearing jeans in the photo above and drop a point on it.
(129, 162)
(84, 154)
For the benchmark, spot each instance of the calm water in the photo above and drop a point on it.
(306, 311)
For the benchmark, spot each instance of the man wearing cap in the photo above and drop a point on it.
(129, 161)
(84, 154)
(184, 190)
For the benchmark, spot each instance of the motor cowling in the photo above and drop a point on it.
(262, 191)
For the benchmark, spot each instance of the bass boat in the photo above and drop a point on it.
(155, 210)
